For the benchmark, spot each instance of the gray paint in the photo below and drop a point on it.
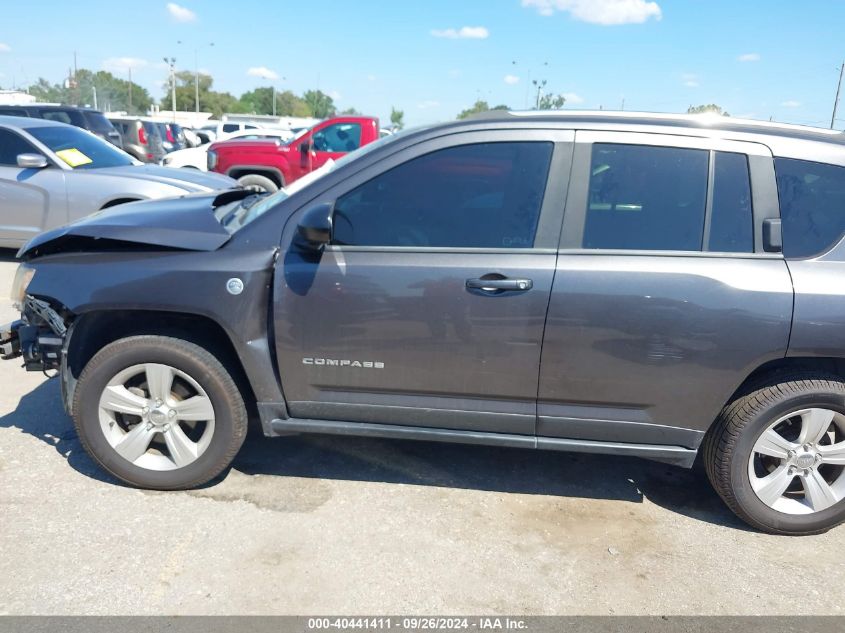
(621, 352)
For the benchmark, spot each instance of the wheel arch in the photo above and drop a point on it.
(91, 331)
(117, 201)
(273, 173)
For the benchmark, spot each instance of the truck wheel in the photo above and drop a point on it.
(159, 412)
(777, 455)
(258, 183)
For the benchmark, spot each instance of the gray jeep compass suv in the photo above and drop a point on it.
(656, 286)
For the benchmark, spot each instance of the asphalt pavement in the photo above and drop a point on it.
(318, 525)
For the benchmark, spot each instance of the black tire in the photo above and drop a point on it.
(258, 183)
(728, 446)
(230, 413)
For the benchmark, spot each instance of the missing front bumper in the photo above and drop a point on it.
(10, 342)
(38, 337)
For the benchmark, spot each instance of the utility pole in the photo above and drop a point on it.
(274, 99)
(94, 90)
(130, 89)
(171, 61)
(836, 101)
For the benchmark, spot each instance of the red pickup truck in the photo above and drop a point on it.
(269, 165)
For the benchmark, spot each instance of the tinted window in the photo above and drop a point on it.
(340, 137)
(13, 112)
(12, 144)
(486, 195)
(646, 198)
(72, 117)
(731, 222)
(231, 127)
(812, 205)
(97, 122)
(78, 148)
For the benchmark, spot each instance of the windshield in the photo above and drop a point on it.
(236, 215)
(80, 149)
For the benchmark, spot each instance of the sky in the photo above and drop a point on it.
(756, 58)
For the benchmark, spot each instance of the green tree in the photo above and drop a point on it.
(710, 107)
(258, 101)
(112, 92)
(210, 101)
(321, 104)
(551, 102)
(288, 104)
(478, 107)
(350, 112)
(397, 118)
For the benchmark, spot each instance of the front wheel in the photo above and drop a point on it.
(159, 412)
(777, 455)
(254, 182)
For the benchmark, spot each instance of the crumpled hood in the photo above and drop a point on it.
(188, 179)
(186, 223)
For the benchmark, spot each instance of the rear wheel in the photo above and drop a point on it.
(159, 412)
(777, 455)
(255, 182)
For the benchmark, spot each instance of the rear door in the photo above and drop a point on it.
(30, 199)
(664, 298)
(428, 308)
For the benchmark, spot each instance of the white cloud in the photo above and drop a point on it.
(604, 12)
(180, 13)
(463, 33)
(749, 57)
(263, 72)
(511, 79)
(5, 48)
(426, 105)
(122, 64)
(690, 80)
(791, 104)
(572, 98)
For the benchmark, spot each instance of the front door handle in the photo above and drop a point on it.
(493, 285)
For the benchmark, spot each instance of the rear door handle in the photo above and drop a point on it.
(492, 285)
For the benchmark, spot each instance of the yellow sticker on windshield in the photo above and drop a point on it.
(73, 157)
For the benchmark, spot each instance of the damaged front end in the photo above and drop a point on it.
(38, 336)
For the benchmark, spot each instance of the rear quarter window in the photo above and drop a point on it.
(812, 206)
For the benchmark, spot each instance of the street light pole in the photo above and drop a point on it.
(171, 61)
(196, 76)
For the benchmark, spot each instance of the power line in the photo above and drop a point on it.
(836, 100)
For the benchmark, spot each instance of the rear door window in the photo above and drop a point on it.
(812, 206)
(644, 197)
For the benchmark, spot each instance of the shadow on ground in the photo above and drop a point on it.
(506, 470)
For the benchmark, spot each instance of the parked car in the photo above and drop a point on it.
(679, 277)
(170, 138)
(88, 119)
(141, 138)
(220, 130)
(197, 157)
(52, 173)
(266, 166)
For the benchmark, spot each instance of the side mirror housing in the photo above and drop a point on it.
(314, 230)
(32, 161)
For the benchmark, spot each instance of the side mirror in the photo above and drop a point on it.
(32, 161)
(315, 227)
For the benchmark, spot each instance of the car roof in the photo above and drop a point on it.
(637, 121)
(29, 122)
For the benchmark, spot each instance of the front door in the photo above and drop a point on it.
(428, 308)
(664, 298)
(31, 200)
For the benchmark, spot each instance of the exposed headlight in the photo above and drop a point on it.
(23, 277)
(212, 160)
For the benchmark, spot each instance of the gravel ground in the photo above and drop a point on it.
(339, 525)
